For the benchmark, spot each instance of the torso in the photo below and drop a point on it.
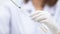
(22, 23)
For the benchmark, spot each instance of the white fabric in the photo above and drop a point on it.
(18, 21)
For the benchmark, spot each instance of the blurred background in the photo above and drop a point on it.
(2, 1)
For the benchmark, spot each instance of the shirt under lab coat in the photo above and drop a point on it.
(17, 21)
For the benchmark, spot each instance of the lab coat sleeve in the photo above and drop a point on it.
(57, 14)
(57, 17)
(4, 20)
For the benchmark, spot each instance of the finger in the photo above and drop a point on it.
(36, 16)
(42, 19)
(36, 13)
(44, 29)
(39, 19)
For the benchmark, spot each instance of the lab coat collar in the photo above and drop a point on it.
(27, 8)
(18, 2)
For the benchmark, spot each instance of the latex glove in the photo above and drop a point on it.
(40, 16)
(47, 19)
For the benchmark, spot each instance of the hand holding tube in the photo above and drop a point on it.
(47, 19)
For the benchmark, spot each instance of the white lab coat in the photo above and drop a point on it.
(17, 21)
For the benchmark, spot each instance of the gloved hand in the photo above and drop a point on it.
(47, 19)
(41, 16)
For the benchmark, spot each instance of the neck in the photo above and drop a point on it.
(39, 5)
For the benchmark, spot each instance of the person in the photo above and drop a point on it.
(19, 17)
